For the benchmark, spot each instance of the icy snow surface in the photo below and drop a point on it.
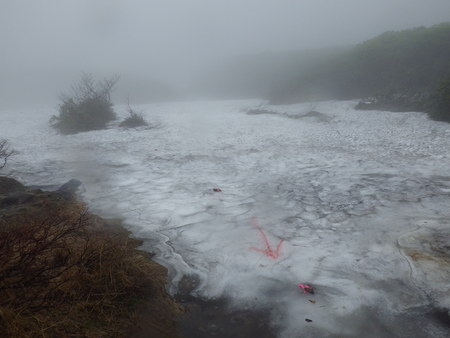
(349, 192)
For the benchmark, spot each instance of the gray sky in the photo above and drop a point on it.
(155, 36)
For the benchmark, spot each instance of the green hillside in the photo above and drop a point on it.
(408, 64)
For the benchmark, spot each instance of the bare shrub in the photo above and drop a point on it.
(63, 275)
(89, 106)
(134, 120)
(5, 152)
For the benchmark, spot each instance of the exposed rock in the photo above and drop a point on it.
(70, 186)
(260, 110)
(311, 115)
(427, 250)
(215, 317)
(314, 115)
(9, 185)
(441, 314)
(396, 102)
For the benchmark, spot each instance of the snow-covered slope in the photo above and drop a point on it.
(354, 196)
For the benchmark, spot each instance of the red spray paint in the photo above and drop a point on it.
(268, 251)
(306, 288)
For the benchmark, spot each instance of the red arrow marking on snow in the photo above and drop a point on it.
(268, 251)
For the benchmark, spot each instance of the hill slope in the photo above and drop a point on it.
(395, 64)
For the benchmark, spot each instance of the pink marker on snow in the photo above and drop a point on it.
(268, 251)
(306, 288)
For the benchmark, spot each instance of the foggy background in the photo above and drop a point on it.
(166, 46)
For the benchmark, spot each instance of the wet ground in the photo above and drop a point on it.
(356, 203)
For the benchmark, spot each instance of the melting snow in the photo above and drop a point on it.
(350, 195)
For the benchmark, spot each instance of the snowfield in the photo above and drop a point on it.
(360, 200)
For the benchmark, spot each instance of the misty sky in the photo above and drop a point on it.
(155, 36)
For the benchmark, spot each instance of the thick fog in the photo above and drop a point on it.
(241, 199)
(46, 43)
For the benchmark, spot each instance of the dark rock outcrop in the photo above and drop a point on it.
(9, 185)
(396, 103)
(70, 186)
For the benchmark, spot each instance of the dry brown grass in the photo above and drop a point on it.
(64, 275)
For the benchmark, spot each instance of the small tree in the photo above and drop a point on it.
(88, 108)
(134, 120)
(5, 152)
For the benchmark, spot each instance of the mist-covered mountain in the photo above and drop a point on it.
(256, 75)
(405, 62)
(406, 66)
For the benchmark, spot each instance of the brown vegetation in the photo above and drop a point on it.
(67, 273)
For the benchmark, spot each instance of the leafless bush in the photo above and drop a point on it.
(87, 88)
(134, 120)
(5, 152)
(62, 275)
(35, 256)
(88, 107)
